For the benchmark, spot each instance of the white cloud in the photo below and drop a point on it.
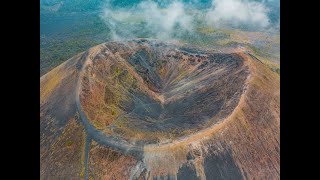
(238, 12)
(161, 21)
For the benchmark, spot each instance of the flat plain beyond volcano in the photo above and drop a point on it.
(146, 109)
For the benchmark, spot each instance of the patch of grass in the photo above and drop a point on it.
(82, 173)
(84, 137)
(117, 71)
(113, 112)
(276, 70)
(271, 65)
(54, 78)
(206, 30)
(98, 124)
(69, 143)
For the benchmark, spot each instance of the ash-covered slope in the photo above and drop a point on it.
(145, 109)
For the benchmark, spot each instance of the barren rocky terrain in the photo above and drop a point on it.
(148, 109)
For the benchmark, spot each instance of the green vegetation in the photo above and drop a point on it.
(113, 112)
(58, 51)
(61, 42)
(206, 30)
(276, 69)
(69, 143)
(98, 124)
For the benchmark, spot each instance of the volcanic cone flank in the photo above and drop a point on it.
(148, 109)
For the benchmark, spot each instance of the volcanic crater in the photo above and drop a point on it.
(144, 92)
(148, 109)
